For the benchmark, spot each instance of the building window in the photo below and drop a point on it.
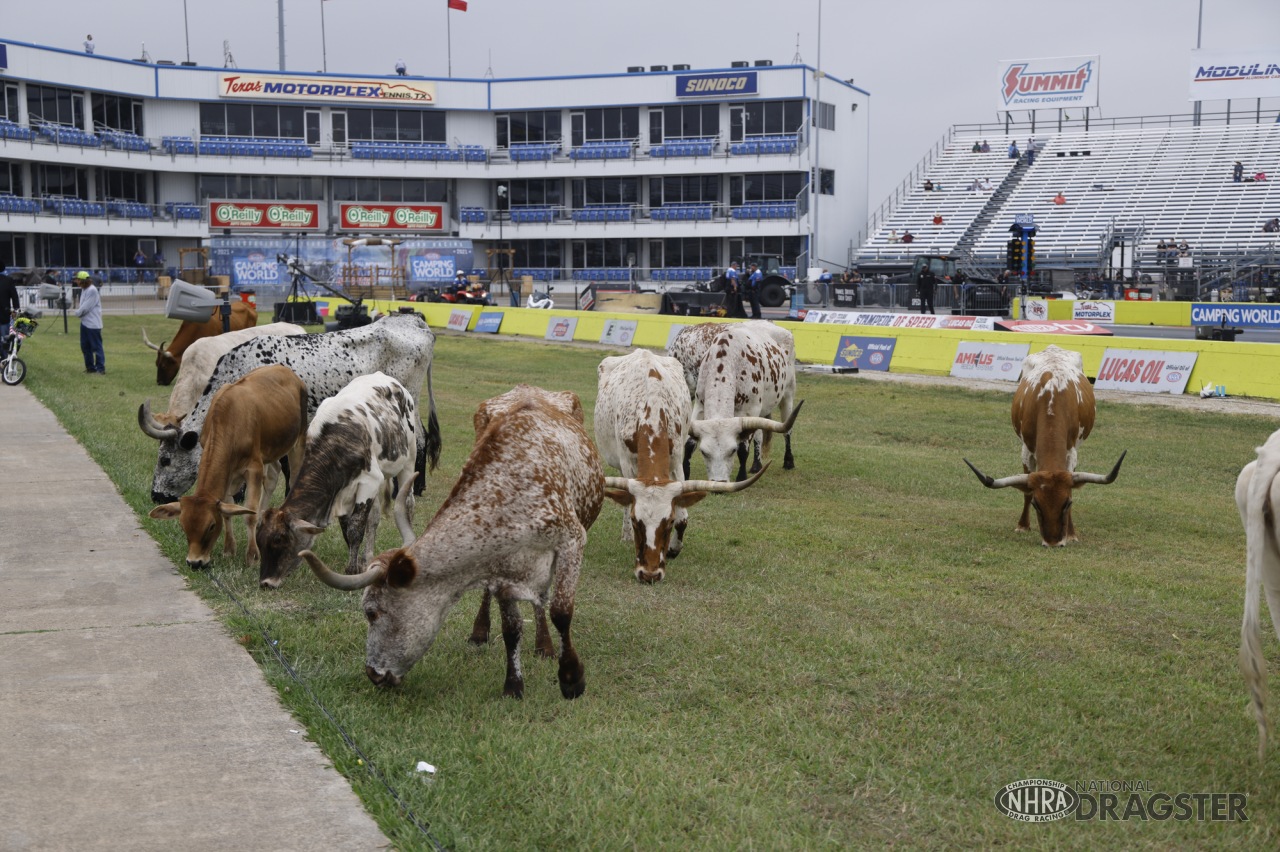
(13, 250)
(689, 121)
(65, 181)
(686, 251)
(10, 180)
(827, 181)
(684, 189)
(123, 185)
(262, 188)
(771, 117)
(396, 125)
(825, 116)
(518, 127)
(537, 254)
(788, 248)
(767, 186)
(262, 121)
(391, 190)
(592, 254)
(116, 113)
(605, 191)
(539, 191)
(52, 105)
(9, 103)
(610, 125)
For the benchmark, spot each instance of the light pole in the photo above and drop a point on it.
(324, 44)
(186, 30)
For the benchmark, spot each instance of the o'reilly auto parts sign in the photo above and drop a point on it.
(265, 215)
(428, 218)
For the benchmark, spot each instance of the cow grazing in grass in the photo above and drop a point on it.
(642, 420)
(360, 444)
(1053, 412)
(197, 366)
(252, 424)
(1257, 495)
(693, 343)
(170, 354)
(743, 377)
(515, 523)
(399, 345)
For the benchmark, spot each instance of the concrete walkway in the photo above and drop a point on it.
(129, 718)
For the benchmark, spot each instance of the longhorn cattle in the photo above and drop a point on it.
(1053, 412)
(693, 342)
(399, 345)
(169, 354)
(200, 359)
(359, 445)
(515, 523)
(252, 423)
(641, 423)
(1257, 496)
(744, 376)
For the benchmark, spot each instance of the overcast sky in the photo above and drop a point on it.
(928, 64)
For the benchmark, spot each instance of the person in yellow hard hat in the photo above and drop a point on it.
(90, 313)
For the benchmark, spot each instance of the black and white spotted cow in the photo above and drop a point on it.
(399, 345)
(359, 447)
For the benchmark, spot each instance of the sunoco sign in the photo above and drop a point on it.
(716, 85)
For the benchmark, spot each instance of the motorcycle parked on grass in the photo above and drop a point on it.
(12, 368)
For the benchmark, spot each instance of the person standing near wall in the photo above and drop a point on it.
(926, 282)
(90, 314)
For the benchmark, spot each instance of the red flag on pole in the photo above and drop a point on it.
(460, 5)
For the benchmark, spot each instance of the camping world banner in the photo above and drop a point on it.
(1066, 81)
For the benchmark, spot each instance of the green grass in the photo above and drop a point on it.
(858, 652)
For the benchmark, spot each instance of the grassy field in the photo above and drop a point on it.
(855, 653)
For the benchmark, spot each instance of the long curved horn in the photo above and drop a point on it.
(147, 341)
(723, 487)
(344, 582)
(620, 482)
(750, 424)
(152, 427)
(1097, 478)
(1016, 481)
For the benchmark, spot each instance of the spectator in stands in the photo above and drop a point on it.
(1031, 150)
(986, 148)
(1161, 248)
(1059, 199)
(928, 185)
(1013, 151)
(937, 218)
(894, 238)
(1237, 172)
(89, 46)
(977, 147)
(1259, 177)
(157, 259)
(401, 68)
(1184, 248)
(986, 186)
(1271, 226)
(926, 281)
(908, 237)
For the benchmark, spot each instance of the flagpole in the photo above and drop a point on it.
(448, 27)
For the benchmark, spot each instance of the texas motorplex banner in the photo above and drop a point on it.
(561, 328)
(1094, 311)
(282, 87)
(265, 215)
(1223, 74)
(999, 361)
(353, 216)
(251, 260)
(1146, 371)
(865, 353)
(1249, 316)
(1058, 83)
(879, 320)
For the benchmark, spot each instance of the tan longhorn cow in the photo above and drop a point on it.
(169, 354)
(1053, 412)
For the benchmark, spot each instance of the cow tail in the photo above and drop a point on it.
(1258, 529)
(429, 451)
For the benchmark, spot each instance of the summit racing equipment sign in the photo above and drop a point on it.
(1048, 83)
(280, 87)
(1222, 74)
(265, 215)
(391, 217)
(1146, 371)
(714, 85)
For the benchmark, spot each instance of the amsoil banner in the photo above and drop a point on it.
(425, 218)
(1066, 81)
(265, 215)
(1088, 309)
(280, 87)
(1223, 74)
(1000, 361)
(1145, 371)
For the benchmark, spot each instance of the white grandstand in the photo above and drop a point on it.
(1145, 184)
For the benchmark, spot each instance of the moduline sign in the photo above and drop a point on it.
(391, 217)
(1223, 74)
(715, 85)
(1067, 81)
(277, 87)
(265, 215)
(1249, 316)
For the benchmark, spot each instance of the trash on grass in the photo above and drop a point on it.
(423, 766)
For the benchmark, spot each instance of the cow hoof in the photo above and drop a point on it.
(545, 653)
(574, 689)
(789, 465)
(513, 689)
(478, 638)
